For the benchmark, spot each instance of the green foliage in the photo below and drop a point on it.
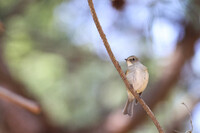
(73, 85)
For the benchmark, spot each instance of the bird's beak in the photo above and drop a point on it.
(125, 59)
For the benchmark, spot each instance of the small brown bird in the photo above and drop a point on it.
(138, 76)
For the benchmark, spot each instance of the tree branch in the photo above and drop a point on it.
(117, 66)
(184, 51)
(176, 124)
(14, 116)
(19, 100)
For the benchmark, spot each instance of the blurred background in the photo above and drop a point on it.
(51, 52)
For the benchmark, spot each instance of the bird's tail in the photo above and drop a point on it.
(128, 109)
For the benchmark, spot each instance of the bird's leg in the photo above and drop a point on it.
(136, 101)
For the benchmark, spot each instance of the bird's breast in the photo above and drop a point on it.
(138, 78)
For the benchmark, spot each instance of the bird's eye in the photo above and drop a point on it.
(133, 59)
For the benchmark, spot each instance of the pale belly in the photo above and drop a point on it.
(138, 79)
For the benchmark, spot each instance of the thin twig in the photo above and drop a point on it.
(191, 130)
(19, 100)
(118, 67)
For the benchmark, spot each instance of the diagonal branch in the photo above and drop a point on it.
(184, 52)
(117, 66)
(6, 94)
(19, 100)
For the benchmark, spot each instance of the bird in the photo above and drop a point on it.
(138, 77)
